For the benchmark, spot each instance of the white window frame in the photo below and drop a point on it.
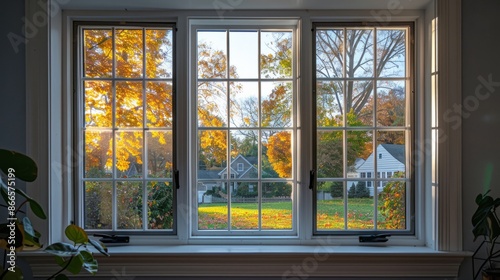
(438, 252)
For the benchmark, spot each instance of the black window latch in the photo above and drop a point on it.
(374, 238)
(106, 238)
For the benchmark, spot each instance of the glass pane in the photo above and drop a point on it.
(98, 205)
(359, 149)
(159, 104)
(359, 53)
(391, 103)
(434, 156)
(277, 104)
(360, 207)
(98, 57)
(212, 206)
(244, 104)
(330, 205)
(276, 55)
(129, 205)
(98, 104)
(391, 157)
(244, 205)
(160, 205)
(212, 54)
(129, 154)
(277, 206)
(277, 154)
(359, 98)
(243, 54)
(329, 104)
(392, 204)
(159, 149)
(434, 100)
(212, 104)
(129, 104)
(391, 52)
(98, 151)
(212, 153)
(329, 53)
(329, 157)
(159, 53)
(244, 154)
(129, 53)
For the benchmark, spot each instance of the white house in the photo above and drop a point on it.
(390, 159)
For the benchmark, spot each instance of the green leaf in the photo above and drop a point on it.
(3, 192)
(75, 264)
(28, 228)
(16, 275)
(37, 209)
(24, 167)
(61, 249)
(99, 246)
(5, 233)
(76, 234)
(61, 277)
(89, 263)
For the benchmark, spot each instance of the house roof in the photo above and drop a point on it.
(397, 151)
(208, 174)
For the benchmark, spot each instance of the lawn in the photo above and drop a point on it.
(278, 215)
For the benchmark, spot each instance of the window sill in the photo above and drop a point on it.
(286, 261)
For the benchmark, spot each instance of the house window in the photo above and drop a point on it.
(126, 126)
(363, 97)
(244, 87)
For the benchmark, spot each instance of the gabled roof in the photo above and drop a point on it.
(396, 150)
(208, 174)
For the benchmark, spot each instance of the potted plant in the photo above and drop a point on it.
(17, 233)
(486, 224)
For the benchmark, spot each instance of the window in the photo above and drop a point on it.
(126, 126)
(363, 85)
(245, 95)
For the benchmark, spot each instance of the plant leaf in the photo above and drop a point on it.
(99, 246)
(61, 277)
(28, 228)
(37, 209)
(89, 263)
(76, 234)
(3, 191)
(25, 167)
(16, 275)
(61, 249)
(18, 239)
(75, 264)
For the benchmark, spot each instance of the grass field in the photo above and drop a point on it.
(278, 215)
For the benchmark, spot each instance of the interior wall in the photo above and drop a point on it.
(480, 114)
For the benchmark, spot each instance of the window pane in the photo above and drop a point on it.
(391, 103)
(160, 205)
(129, 205)
(330, 206)
(393, 155)
(392, 204)
(329, 155)
(277, 154)
(212, 104)
(329, 53)
(213, 207)
(244, 153)
(359, 98)
(129, 53)
(276, 55)
(159, 104)
(244, 205)
(391, 52)
(212, 54)
(276, 104)
(98, 104)
(243, 54)
(360, 207)
(212, 153)
(359, 52)
(359, 149)
(160, 154)
(129, 154)
(329, 104)
(129, 104)
(98, 205)
(98, 151)
(277, 206)
(97, 56)
(159, 53)
(244, 104)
